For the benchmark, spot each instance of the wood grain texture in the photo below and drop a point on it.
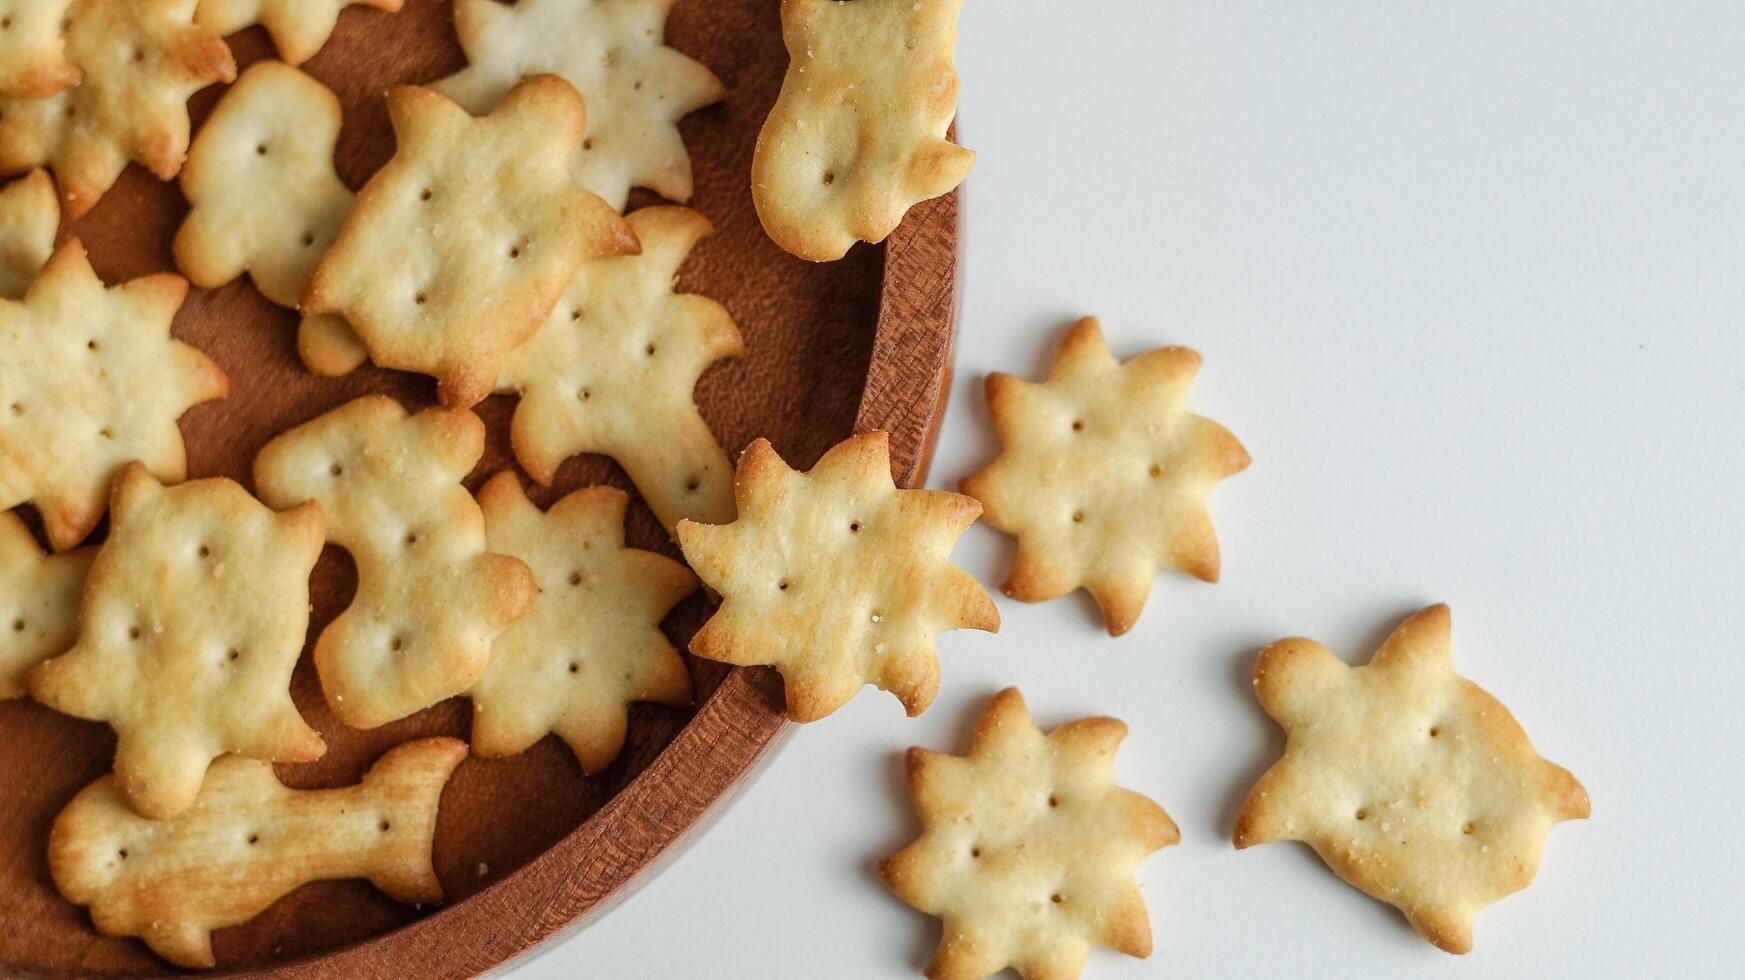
(525, 846)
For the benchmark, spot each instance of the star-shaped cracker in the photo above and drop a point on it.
(857, 135)
(39, 603)
(457, 250)
(90, 380)
(1028, 848)
(1411, 782)
(298, 27)
(29, 217)
(612, 369)
(247, 842)
(430, 596)
(614, 53)
(835, 577)
(33, 57)
(1103, 474)
(264, 198)
(192, 618)
(592, 643)
(141, 61)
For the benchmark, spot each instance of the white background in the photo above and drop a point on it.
(1469, 279)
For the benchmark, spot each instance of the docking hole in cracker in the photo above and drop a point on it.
(612, 370)
(614, 52)
(431, 597)
(592, 642)
(89, 381)
(192, 618)
(39, 603)
(457, 249)
(1103, 474)
(1412, 783)
(248, 841)
(1028, 848)
(30, 215)
(857, 136)
(265, 200)
(298, 28)
(33, 49)
(141, 60)
(835, 577)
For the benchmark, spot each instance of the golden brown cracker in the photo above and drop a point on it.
(29, 217)
(247, 841)
(1103, 474)
(39, 603)
(857, 135)
(430, 596)
(835, 577)
(89, 381)
(612, 369)
(592, 642)
(192, 618)
(1411, 782)
(33, 55)
(456, 251)
(1028, 848)
(614, 52)
(141, 59)
(265, 200)
(298, 28)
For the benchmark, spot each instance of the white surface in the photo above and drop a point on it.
(1469, 279)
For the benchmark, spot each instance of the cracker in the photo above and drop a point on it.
(614, 52)
(458, 248)
(246, 842)
(298, 28)
(1028, 848)
(191, 621)
(33, 56)
(90, 380)
(857, 136)
(39, 603)
(1103, 475)
(141, 61)
(430, 597)
(29, 217)
(592, 643)
(1411, 782)
(265, 200)
(835, 577)
(612, 369)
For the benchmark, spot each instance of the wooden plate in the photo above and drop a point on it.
(525, 845)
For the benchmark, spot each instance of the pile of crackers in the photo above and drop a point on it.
(493, 254)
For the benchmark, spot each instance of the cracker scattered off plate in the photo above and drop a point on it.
(456, 251)
(33, 49)
(141, 60)
(1028, 848)
(857, 136)
(92, 381)
(592, 642)
(835, 577)
(39, 603)
(298, 28)
(1411, 782)
(430, 597)
(264, 199)
(190, 623)
(29, 217)
(1103, 474)
(247, 841)
(614, 52)
(612, 369)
